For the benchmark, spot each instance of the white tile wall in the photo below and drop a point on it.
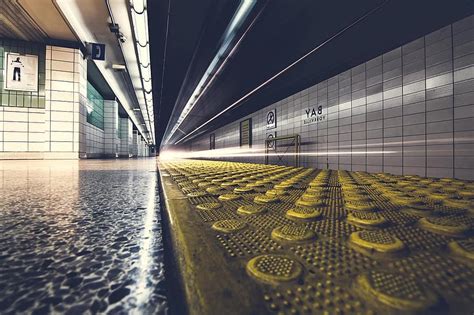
(111, 128)
(65, 68)
(408, 111)
(126, 140)
(61, 129)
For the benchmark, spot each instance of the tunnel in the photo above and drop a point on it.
(236, 157)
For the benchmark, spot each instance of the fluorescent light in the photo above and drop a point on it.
(140, 28)
(240, 15)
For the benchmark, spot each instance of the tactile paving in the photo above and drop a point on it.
(396, 291)
(209, 206)
(251, 209)
(274, 268)
(377, 241)
(229, 197)
(229, 226)
(293, 233)
(301, 213)
(338, 242)
(444, 225)
(366, 220)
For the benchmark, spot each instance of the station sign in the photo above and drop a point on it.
(271, 119)
(314, 114)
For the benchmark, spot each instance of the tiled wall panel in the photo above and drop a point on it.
(408, 111)
(111, 128)
(126, 137)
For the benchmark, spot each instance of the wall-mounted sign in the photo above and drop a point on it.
(246, 133)
(271, 119)
(212, 141)
(21, 72)
(271, 144)
(314, 114)
(97, 51)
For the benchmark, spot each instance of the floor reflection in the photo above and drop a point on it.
(80, 236)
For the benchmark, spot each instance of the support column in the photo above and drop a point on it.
(111, 130)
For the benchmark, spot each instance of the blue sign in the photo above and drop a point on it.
(98, 51)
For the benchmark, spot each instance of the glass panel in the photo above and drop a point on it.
(95, 110)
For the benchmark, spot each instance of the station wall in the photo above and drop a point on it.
(408, 111)
(53, 122)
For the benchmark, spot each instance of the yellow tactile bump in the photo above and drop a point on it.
(276, 192)
(218, 181)
(314, 196)
(215, 190)
(283, 186)
(251, 209)
(436, 197)
(357, 198)
(197, 194)
(466, 194)
(274, 269)
(304, 213)
(209, 206)
(228, 184)
(396, 291)
(422, 192)
(263, 182)
(243, 190)
(255, 185)
(205, 184)
(240, 181)
(264, 199)
(458, 204)
(377, 241)
(293, 233)
(463, 248)
(318, 184)
(356, 206)
(366, 219)
(198, 180)
(316, 190)
(229, 226)
(444, 225)
(419, 210)
(310, 203)
(229, 197)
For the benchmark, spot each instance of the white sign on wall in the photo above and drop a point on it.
(314, 114)
(271, 144)
(21, 72)
(271, 119)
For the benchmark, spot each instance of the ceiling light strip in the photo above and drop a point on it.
(240, 100)
(241, 14)
(140, 31)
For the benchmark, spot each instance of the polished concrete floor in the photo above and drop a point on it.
(80, 237)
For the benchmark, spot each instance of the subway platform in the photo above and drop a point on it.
(80, 237)
(265, 239)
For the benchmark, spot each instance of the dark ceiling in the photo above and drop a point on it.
(284, 31)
